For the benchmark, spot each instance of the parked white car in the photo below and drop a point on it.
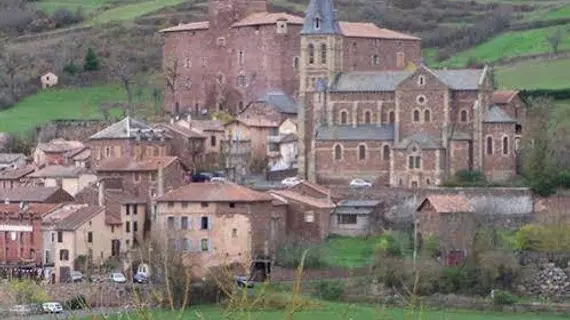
(359, 183)
(218, 179)
(291, 181)
(75, 276)
(52, 307)
(117, 277)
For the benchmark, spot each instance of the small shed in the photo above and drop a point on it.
(451, 219)
(356, 217)
(49, 80)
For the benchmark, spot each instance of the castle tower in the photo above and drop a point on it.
(320, 61)
(223, 13)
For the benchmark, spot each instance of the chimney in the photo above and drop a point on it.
(160, 181)
(101, 195)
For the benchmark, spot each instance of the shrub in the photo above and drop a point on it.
(563, 179)
(502, 297)
(64, 17)
(71, 69)
(289, 254)
(6, 101)
(498, 268)
(27, 291)
(76, 303)
(91, 61)
(464, 279)
(330, 290)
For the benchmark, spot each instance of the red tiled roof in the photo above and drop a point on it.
(447, 203)
(202, 25)
(38, 209)
(261, 18)
(187, 132)
(128, 164)
(12, 174)
(214, 192)
(370, 30)
(503, 97)
(314, 202)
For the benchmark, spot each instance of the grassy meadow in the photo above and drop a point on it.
(65, 103)
(546, 74)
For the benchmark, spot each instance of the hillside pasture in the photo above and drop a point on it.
(546, 74)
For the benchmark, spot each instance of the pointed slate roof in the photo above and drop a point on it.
(497, 115)
(280, 101)
(127, 128)
(324, 11)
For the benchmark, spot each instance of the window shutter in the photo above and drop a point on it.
(189, 223)
(210, 246)
(210, 223)
(188, 245)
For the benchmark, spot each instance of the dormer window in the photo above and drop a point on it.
(317, 23)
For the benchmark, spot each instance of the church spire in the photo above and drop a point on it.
(320, 18)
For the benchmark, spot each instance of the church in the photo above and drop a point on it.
(368, 107)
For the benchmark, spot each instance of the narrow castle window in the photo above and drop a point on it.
(317, 23)
(421, 81)
(361, 152)
(296, 63)
(416, 116)
(392, 117)
(323, 53)
(427, 116)
(343, 117)
(463, 115)
(240, 81)
(367, 117)
(241, 58)
(505, 145)
(311, 49)
(375, 59)
(400, 60)
(489, 145)
(338, 152)
(386, 153)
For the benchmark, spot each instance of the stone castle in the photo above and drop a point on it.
(369, 108)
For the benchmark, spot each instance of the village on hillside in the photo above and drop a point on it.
(286, 152)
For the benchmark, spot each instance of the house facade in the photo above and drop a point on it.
(259, 131)
(242, 52)
(12, 160)
(357, 218)
(72, 179)
(14, 178)
(57, 151)
(74, 231)
(218, 224)
(20, 232)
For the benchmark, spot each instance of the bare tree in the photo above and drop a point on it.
(122, 68)
(11, 67)
(171, 77)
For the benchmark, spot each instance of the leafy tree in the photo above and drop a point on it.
(554, 40)
(91, 61)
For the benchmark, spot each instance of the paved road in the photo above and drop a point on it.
(77, 314)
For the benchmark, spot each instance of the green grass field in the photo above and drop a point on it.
(340, 311)
(550, 74)
(349, 252)
(132, 11)
(510, 45)
(88, 5)
(67, 103)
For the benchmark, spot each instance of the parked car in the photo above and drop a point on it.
(52, 307)
(117, 277)
(291, 181)
(140, 277)
(244, 282)
(359, 183)
(22, 310)
(218, 179)
(75, 276)
(201, 177)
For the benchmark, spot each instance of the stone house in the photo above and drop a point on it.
(129, 138)
(20, 232)
(188, 144)
(12, 160)
(56, 151)
(257, 130)
(308, 218)
(70, 232)
(216, 224)
(236, 156)
(49, 80)
(511, 102)
(145, 178)
(70, 179)
(286, 157)
(275, 105)
(14, 178)
(242, 52)
(357, 218)
(213, 130)
(452, 220)
(35, 195)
